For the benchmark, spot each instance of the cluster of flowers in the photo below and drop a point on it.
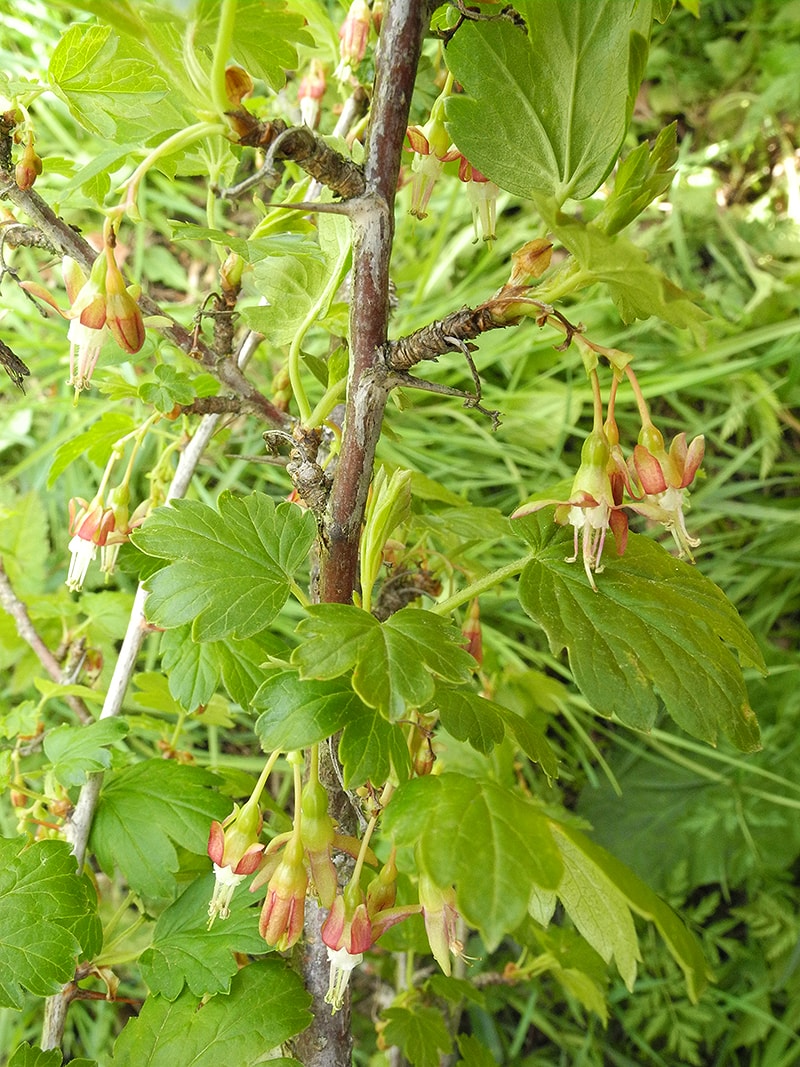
(302, 861)
(103, 524)
(652, 482)
(100, 306)
(432, 149)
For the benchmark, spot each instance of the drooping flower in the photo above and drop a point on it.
(441, 920)
(99, 305)
(123, 316)
(592, 507)
(664, 477)
(281, 922)
(482, 194)
(90, 525)
(355, 923)
(429, 143)
(235, 851)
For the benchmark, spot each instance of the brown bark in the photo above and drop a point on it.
(372, 215)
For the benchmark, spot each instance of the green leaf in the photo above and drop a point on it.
(196, 668)
(185, 953)
(230, 569)
(482, 723)
(97, 442)
(638, 289)
(372, 749)
(452, 819)
(48, 918)
(192, 667)
(266, 1006)
(296, 284)
(300, 713)
(575, 965)
(393, 663)
(656, 633)
(75, 751)
(171, 388)
(22, 719)
(297, 713)
(469, 717)
(146, 808)
(26, 1055)
(473, 1052)
(545, 109)
(50, 689)
(24, 541)
(642, 176)
(419, 1032)
(264, 37)
(100, 81)
(597, 891)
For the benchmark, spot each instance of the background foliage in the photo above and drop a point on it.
(714, 832)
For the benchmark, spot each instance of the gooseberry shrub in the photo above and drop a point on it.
(270, 775)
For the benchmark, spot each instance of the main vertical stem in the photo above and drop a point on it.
(373, 230)
(328, 1041)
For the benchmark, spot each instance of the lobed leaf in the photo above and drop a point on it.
(598, 892)
(266, 1006)
(101, 77)
(48, 918)
(393, 663)
(419, 1032)
(656, 633)
(76, 751)
(230, 569)
(300, 713)
(143, 812)
(474, 834)
(184, 953)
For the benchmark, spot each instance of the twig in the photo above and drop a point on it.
(471, 400)
(27, 631)
(299, 143)
(449, 334)
(70, 243)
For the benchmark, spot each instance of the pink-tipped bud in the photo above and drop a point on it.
(123, 316)
(29, 166)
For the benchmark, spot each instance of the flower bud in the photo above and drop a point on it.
(281, 922)
(123, 316)
(29, 167)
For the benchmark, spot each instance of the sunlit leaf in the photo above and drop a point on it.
(266, 1006)
(657, 633)
(48, 918)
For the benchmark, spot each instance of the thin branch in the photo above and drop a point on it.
(27, 631)
(449, 334)
(471, 400)
(70, 243)
(306, 148)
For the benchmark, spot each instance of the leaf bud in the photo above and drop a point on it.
(238, 84)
